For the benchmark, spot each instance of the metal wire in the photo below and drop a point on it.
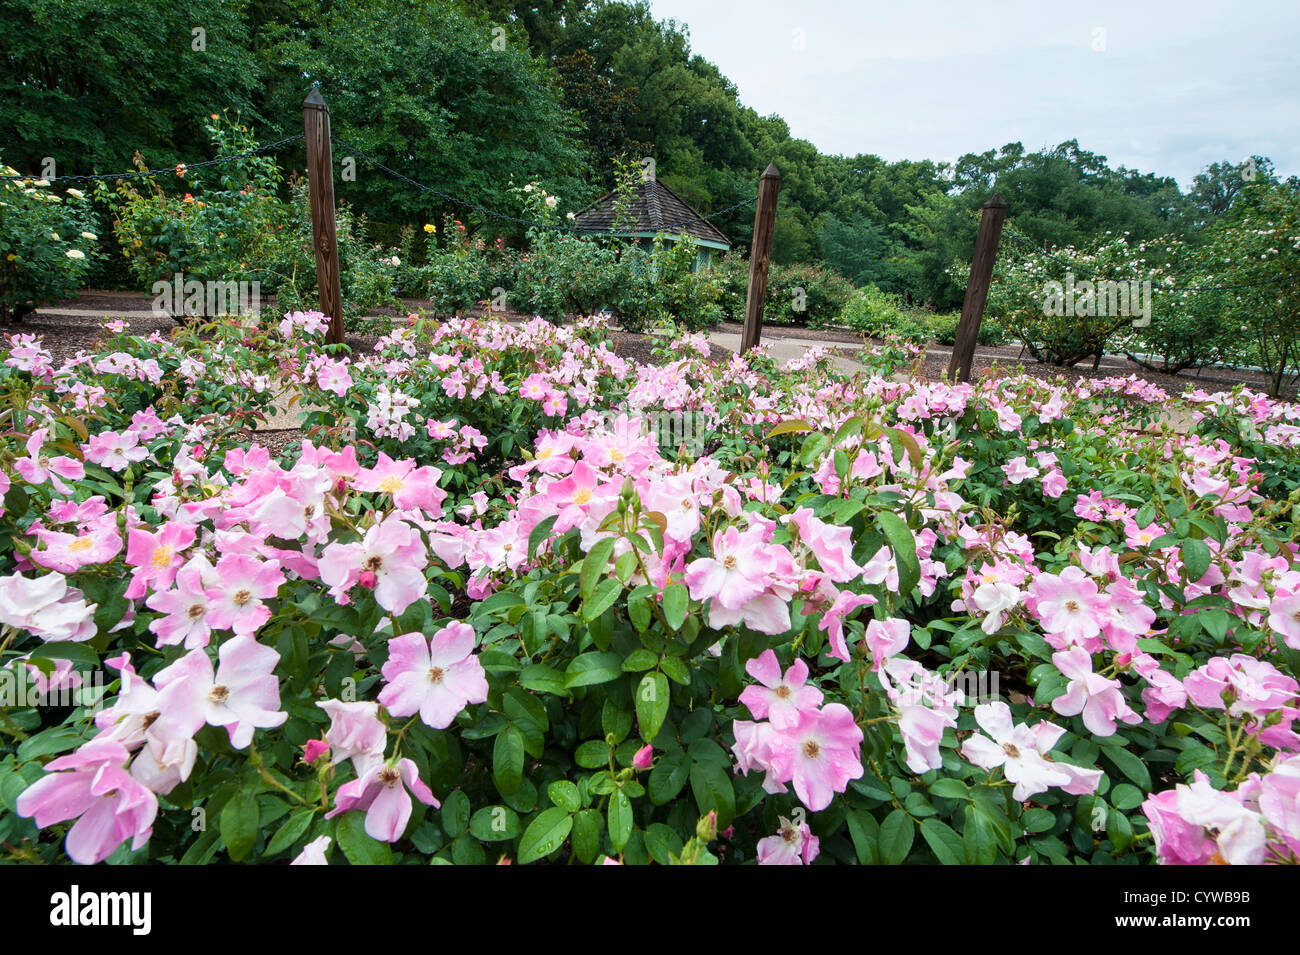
(137, 173)
(482, 210)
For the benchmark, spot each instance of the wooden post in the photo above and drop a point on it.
(760, 254)
(977, 288)
(320, 177)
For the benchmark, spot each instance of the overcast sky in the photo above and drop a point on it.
(1159, 86)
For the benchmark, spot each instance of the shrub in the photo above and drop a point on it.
(842, 620)
(234, 226)
(1255, 254)
(796, 295)
(943, 329)
(1020, 299)
(48, 244)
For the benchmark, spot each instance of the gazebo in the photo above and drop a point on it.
(654, 209)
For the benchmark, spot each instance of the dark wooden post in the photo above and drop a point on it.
(760, 254)
(320, 177)
(977, 288)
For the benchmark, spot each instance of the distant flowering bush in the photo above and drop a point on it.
(486, 612)
(48, 242)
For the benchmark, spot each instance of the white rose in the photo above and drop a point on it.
(75, 254)
(89, 236)
(76, 193)
(396, 260)
(528, 188)
(550, 202)
(55, 237)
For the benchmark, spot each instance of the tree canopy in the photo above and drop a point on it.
(469, 97)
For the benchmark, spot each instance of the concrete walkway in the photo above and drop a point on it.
(784, 348)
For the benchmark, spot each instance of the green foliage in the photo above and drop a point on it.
(230, 223)
(796, 295)
(48, 243)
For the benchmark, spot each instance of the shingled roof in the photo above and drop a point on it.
(655, 208)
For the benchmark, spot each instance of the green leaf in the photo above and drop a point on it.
(640, 659)
(543, 679)
(76, 652)
(943, 841)
(239, 824)
(1196, 560)
(565, 795)
(1119, 830)
(898, 436)
(494, 824)
(950, 788)
(848, 429)
(813, 447)
(356, 843)
(903, 545)
(593, 566)
(586, 835)
(57, 739)
(668, 777)
(606, 592)
(896, 835)
(593, 667)
(1037, 820)
(676, 604)
(865, 833)
(978, 839)
(620, 820)
(508, 761)
(544, 834)
(540, 533)
(290, 832)
(712, 788)
(662, 842)
(1129, 765)
(676, 670)
(455, 812)
(1125, 797)
(789, 427)
(652, 699)
(593, 754)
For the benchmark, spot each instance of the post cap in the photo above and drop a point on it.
(996, 202)
(314, 98)
(771, 172)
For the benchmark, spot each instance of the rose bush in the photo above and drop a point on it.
(48, 243)
(483, 613)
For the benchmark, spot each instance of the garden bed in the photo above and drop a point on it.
(519, 598)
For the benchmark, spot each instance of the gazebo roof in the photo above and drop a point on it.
(655, 208)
